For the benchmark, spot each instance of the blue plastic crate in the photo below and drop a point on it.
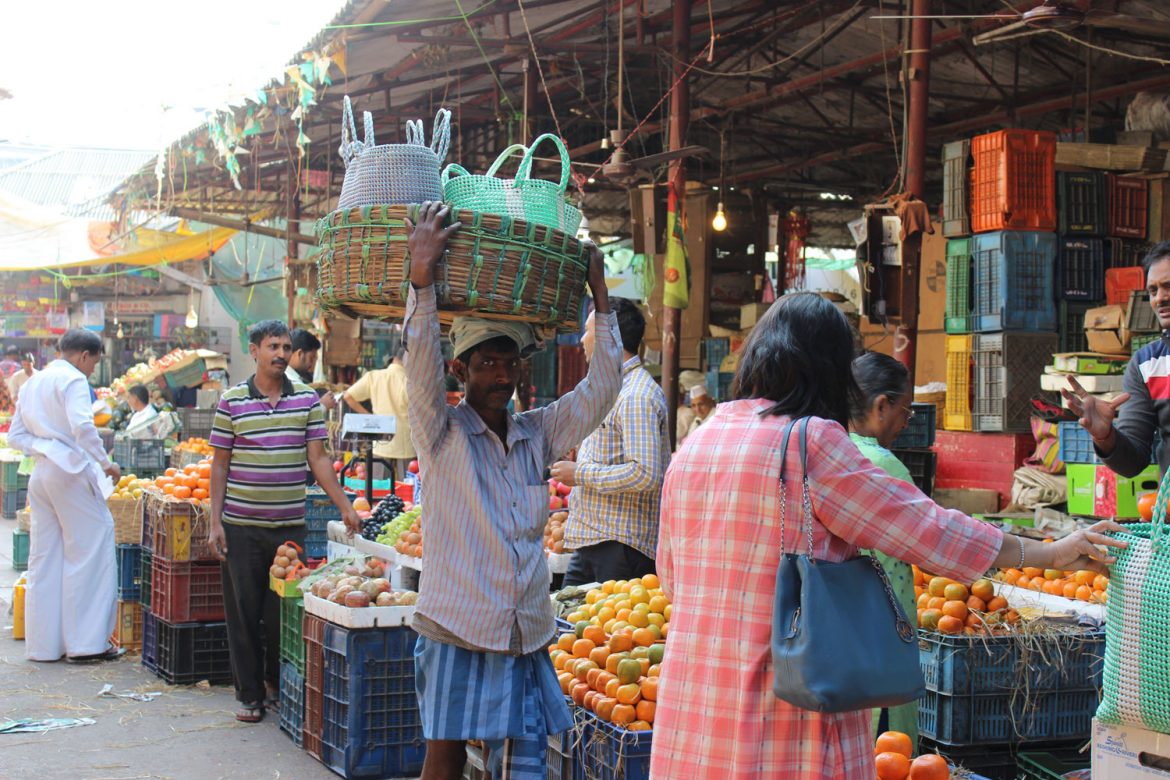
(544, 373)
(371, 720)
(719, 385)
(1003, 718)
(613, 753)
(129, 573)
(567, 752)
(149, 640)
(1076, 445)
(292, 702)
(1080, 269)
(920, 431)
(11, 502)
(1013, 281)
(714, 350)
(978, 665)
(563, 625)
(319, 511)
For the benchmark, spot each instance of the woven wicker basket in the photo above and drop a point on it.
(127, 513)
(495, 267)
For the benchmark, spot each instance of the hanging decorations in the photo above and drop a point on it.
(796, 228)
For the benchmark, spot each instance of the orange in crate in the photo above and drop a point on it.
(1014, 181)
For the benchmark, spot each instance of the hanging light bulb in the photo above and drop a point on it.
(719, 221)
(120, 334)
(192, 320)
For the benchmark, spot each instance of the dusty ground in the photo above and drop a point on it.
(186, 734)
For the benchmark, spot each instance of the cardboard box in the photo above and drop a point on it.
(969, 501)
(1129, 753)
(1089, 363)
(1053, 381)
(1107, 331)
(751, 313)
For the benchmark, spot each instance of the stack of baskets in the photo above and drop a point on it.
(515, 257)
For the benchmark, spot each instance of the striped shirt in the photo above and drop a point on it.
(620, 468)
(266, 475)
(486, 582)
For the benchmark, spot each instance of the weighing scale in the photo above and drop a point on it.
(364, 430)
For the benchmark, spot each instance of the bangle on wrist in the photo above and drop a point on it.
(1020, 541)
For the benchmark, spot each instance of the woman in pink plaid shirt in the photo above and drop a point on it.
(719, 545)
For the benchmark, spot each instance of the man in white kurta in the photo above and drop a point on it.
(72, 577)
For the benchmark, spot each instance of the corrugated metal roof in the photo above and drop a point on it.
(76, 181)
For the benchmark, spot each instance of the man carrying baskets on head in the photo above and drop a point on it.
(484, 619)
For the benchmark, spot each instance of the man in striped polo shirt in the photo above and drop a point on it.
(267, 431)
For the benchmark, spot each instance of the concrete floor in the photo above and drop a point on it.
(188, 733)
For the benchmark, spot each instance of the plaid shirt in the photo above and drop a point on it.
(718, 549)
(620, 469)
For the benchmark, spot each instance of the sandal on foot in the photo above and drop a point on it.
(112, 654)
(272, 703)
(250, 713)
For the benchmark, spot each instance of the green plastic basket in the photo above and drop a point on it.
(534, 200)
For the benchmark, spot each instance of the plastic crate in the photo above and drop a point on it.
(956, 214)
(1070, 318)
(186, 654)
(1120, 282)
(960, 386)
(1140, 314)
(978, 762)
(313, 632)
(20, 544)
(714, 350)
(1139, 340)
(141, 456)
(1014, 181)
(921, 463)
(292, 642)
(1080, 204)
(371, 718)
(1008, 367)
(1001, 718)
(719, 385)
(958, 307)
(186, 592)
(11, 502)
(1080, 269)
(565, 753)
(128, 626)
(1128, 202)
(1098, 491)
(1012, 280)
(10, 478)
(1124, 253)
(145, 576)
(129, 571)
(919, 432)
(1042, 765)
(614, 753)
(976, 665)
(178, 529)
(196, 422)
(1076, 445)
(319, 512)
(292, 702)
(544, 373)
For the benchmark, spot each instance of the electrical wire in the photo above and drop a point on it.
(1107, 50)
(482, 53)
(890, 110)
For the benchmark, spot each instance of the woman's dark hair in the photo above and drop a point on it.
(877, 375)
(80, 340)
(266, 329)
(140, 392)
(798, 356)
(1158, 252)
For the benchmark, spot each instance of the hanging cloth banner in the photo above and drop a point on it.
(676, 274)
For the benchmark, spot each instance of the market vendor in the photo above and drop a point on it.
(484, 618)
(1123, 429)
(302, 364)
(143, 410)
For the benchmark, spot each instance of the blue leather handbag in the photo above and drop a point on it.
(840, 641)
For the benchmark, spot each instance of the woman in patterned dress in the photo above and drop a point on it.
(719, 546)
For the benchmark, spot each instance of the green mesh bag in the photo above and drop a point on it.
(1137, 630)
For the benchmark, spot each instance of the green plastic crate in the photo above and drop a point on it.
(10, 480)
(1139, 340)
(20, 550)
(1046, 766)
(958, 313)
(292, 646)
(1082, 490)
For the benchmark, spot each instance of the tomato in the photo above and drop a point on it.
(1146, 506)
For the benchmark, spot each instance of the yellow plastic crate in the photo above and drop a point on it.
(959, 385)
(128, 628)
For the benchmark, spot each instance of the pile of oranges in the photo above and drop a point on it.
(611, 677)
(636, 604)
(192, 482)
(198, 446)
(1082, 585)
(893, 753)
(951, 607)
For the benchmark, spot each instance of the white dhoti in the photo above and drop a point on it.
(72, 570)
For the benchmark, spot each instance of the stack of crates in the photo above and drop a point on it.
(1095, 490)
(128, 627)
(184, 638)
(913, 446)
(956, 226)
(13, 489)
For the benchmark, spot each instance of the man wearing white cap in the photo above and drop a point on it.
(703, 405)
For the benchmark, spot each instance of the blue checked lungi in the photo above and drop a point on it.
(512, 703)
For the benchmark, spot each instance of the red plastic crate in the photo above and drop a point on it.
(1120, 282)
(186, 592)
(313, 631)
(1014, 181)
(1128, 200)
(571, 368)
(986, 461)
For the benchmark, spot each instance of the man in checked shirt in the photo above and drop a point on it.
(484, 618)
(617, 478)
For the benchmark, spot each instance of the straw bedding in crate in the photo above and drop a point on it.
(495, 266)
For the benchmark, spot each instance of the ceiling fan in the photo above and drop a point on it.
(1055, 15)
